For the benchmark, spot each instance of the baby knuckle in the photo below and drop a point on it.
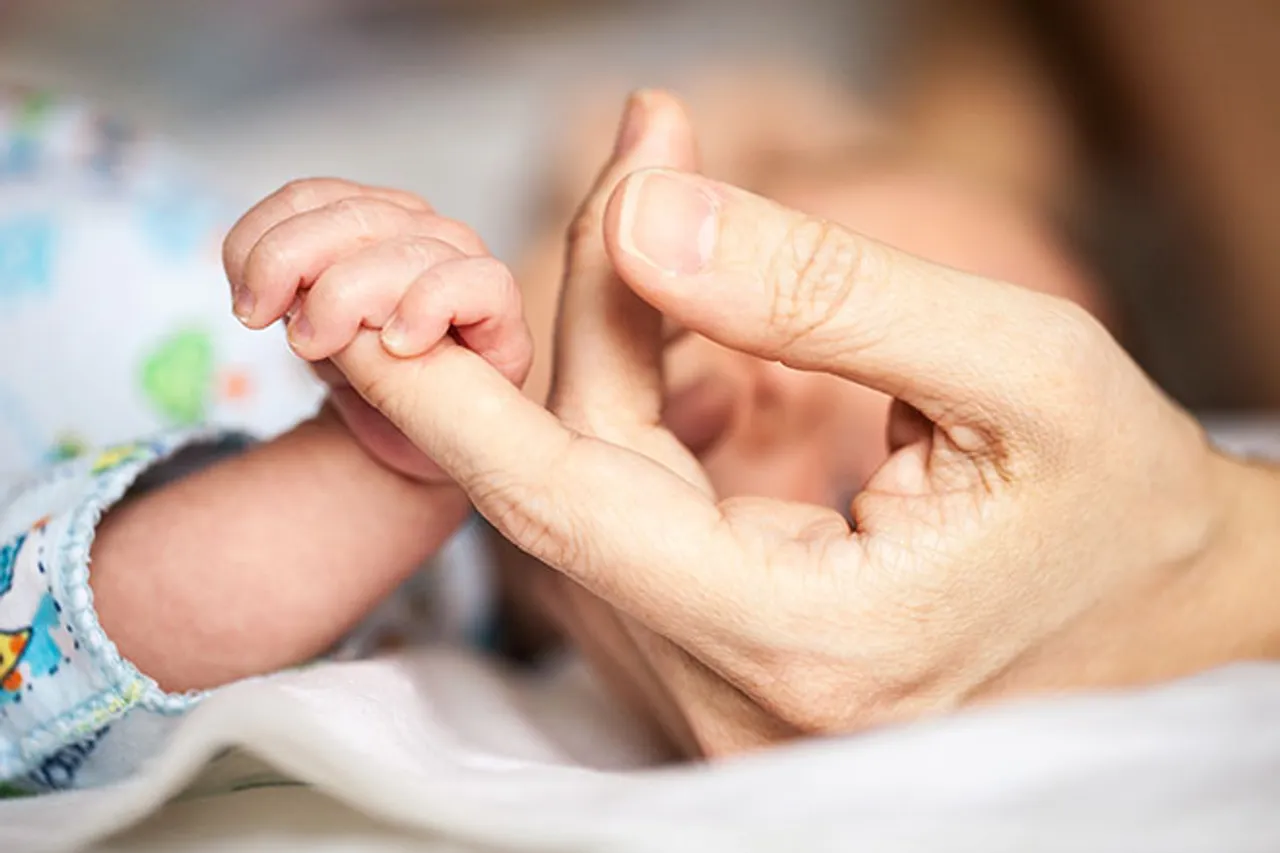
(294, 194)
(497, 272)
(460, 236)
(339, 300)
(409, 200)
(416, 253)
(301, 194)
(268, 261)
(357, 214)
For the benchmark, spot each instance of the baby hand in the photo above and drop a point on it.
(334, 257)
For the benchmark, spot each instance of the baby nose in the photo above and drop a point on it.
(775, 381)
(780, 406)
(792, 394)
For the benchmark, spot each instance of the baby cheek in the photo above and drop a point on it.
(794, 473)
(857, 439)
(818, 442)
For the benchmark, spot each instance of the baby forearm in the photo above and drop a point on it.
(262, 561)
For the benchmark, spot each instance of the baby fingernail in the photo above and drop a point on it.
(243, 302)
(395, 337)
(300, 329)
(670, 221)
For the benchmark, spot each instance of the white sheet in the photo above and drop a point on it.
(446, 748)
(441, 751)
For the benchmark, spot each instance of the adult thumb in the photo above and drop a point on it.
(760, 278)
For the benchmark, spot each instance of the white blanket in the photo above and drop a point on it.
(445, 748)
(442, 751)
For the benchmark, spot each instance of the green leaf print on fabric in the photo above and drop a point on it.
(13, 792)
(34, 107)
(68, 446)
(178, 376)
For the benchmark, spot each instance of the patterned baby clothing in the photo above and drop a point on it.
(121, 368)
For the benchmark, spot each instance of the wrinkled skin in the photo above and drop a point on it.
(1045, 520)
(759, 427)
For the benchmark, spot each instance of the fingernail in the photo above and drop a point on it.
(300, 329)
(395, 336)
(242, 304)
(631, 128)
(669, 220)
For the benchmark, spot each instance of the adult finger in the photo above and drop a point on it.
(609, 342)
(763, 279)
(623, 521)
(621, 524)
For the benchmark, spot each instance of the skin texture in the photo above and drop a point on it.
(254, 572)
(251, 571)
(762, 428)
(331, 257)
(759, 427)
(987, 562)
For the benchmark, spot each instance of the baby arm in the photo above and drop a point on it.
(212, 561)
(242, 567)
(282, 549)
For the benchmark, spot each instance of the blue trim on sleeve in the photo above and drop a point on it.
(110, 685)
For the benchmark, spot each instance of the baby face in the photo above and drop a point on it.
(764, 429)
(761, 428)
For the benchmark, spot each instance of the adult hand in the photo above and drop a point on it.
(1047, 519)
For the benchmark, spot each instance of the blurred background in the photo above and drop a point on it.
(1146, 134)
